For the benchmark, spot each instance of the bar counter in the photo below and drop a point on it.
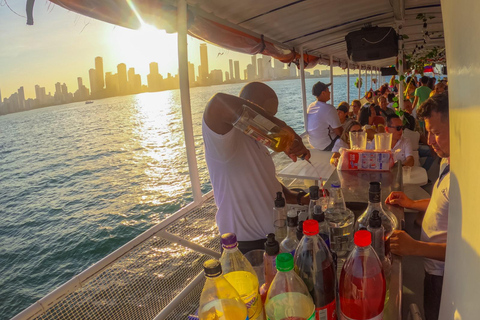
(355, 185)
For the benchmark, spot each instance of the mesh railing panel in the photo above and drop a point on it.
(145, 279)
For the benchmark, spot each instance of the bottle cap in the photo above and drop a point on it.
(314, 192)
(212, 268)
(362, 238)
(271, 245)
(292, 222)
(292, 213)
(229, 240)
(335, 184)
(375, 221)
(310, 227)
(375, 186)
(284, 262)
(279, 200)
(318, 214)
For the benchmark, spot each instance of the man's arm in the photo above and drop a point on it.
(415, 101)
(338, 131)
(292, 197)
(399, 198)
(403, 245)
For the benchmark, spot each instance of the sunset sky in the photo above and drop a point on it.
(62, 45)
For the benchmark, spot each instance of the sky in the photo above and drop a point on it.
(62, 45)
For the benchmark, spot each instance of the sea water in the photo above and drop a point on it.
(78, 181)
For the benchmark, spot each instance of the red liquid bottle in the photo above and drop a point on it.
(362, 282)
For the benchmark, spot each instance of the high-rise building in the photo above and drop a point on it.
(216, 77)
(122, 78)
(21, 98)
(250, 72)
(254, 64)
(191, 73)
(293, 70)
(237, 70)
(204, 72)
(111, 84)
(154, 79)
(92, 76)
(260, 68)
(278, 70)
(227, 76)
(99, 72)
(230, 64)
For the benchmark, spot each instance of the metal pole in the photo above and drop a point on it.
(304, 93)
(348, 81)
(400, 72)
(331, 81)
(185, 100)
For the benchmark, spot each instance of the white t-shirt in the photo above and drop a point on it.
(342, 144)
(435, 222)
(402, 149)
(244, 183)
(321, 118)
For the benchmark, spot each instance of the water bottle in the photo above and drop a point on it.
(362, 282)
(314, 265)
(378, 241)
(288, 297)
(314, 200)
(272, 249)
(263, 130)
(280, 217)
(340, 221)
(290, 243)
(219, 300)
(241, 275)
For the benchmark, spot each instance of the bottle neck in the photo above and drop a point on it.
(292, 232)
(374, 206)
(374, 197)
(336, 199)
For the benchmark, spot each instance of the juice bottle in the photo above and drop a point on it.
(362, 282)
(219, 300)
(288, 297)
(241, 275)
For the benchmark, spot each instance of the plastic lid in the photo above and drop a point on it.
(292, 221)
(314, 192)
(310, 227)
(375, 186)
(279, 200)
(318, 215)
(292, 213)
(284, 262)
(271, 245)
(212, 268)
(335, 184)
(362, 238)
(375, 220)
(229, 240)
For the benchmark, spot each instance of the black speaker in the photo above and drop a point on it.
(372, 43)
(390, 71)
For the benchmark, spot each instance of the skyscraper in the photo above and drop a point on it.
(21, 98)
(154, 79)
(203, 64)
(122, 78)
(260, 68)
(254, 65)
(191, 73)
(92, 75)
(237, 70)
(99, 72)
(230, 64)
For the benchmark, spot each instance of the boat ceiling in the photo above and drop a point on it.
(319, 26)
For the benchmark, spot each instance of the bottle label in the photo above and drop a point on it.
(344, 317)
(312, 317)
(264, 122)
(327, 312)
(259, 136)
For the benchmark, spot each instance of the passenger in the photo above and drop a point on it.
(390, 98)
(421, 94)
(385, 111)
(342, 111)
(323, 124)
(433, 241)
(344, 141)
(439, 89)
(401, 146)
(356, 105)
(241, 169)
(367, 117)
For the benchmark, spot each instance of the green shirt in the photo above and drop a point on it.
(422, 93)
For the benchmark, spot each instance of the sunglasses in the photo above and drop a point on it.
(397, 127)
(359, 130)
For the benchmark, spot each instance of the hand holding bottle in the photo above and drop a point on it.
(402, 244)
(297, 149)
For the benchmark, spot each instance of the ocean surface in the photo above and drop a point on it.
(78, 181)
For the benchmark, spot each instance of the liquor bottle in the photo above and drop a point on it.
(300, 229)
(314, 264)
(340, 221)
(264, 130)
(319, 216)
(362, 282)
(288, 297)
(290, 243)
(241, 275)
(280, 217)
(378, 241)
(314, 196)
(219, 300)
(272, 249)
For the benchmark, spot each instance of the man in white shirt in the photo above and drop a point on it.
(433, 241)
(323, 124)
(401, 147)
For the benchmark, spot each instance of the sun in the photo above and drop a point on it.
(138, 48)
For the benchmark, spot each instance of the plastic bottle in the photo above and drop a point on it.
(378, 241)
(319, 216)
(290, 243)
(288, 297)
(272, 249)
(263, 130)
(241, 275)
(314, 196)
(300, 229)
(340, 221)
(280, 217)
(219, 300)
(362, 282)
(314, 264)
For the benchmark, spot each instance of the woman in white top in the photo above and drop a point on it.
(344, 141)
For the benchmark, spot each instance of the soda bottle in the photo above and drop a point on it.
(288, 297)
(340, 221)
(263, 130)
(290, 243)
(280, 217)
(314, 265)
(241, 275)
(314, 196)
(272, 249)
(219, 300)
(362, 282)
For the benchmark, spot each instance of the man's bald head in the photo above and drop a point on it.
(262, 95)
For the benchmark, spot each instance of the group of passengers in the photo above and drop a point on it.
(244, 179)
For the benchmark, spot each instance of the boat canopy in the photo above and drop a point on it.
(282, 28)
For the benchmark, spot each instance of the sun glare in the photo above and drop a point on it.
(137, 48)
